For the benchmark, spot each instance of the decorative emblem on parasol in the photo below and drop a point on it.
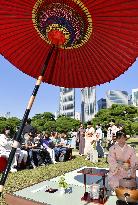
(76, 43)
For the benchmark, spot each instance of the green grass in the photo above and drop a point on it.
(133, 140)
(25, 178)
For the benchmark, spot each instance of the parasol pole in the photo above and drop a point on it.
(16, 142)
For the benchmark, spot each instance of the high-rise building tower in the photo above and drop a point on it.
(67, 102)
(88, 103)
(77, 116)
(130, 100)
(116, 97)
(101, 104)
(135, 97)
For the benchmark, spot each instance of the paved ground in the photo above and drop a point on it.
(73, 195)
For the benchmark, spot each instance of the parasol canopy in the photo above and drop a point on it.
(96, 40)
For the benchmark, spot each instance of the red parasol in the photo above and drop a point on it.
(99, 38)
(77, 43)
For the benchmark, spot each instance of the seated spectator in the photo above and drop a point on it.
(21, 155)
(55, 140)
(53, 136)
(59, 151)
(37, 139)
(65, 147)
(30, 147)
(6, 146)
(48, 145)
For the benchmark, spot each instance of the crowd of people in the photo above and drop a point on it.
(121, 157)
(42, 148)
(91, 138)
(36, 148)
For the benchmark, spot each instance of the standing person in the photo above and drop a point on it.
(122, 161)
(89, 140)
(74, 139)
(28, 127)
(81, 139)
(30, 147)
(114, 128)
(112, 133)
(109, 137)
(99, 147)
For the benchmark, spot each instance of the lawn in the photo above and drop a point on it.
(133, 141)
(22, 179)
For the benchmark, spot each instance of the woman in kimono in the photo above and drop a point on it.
(90, 139)
(122, 160)
(81, 139)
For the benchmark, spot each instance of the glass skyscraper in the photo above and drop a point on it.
(67, 102)
(88, 103)
(135, 97)
(101, 104)
(116, 97)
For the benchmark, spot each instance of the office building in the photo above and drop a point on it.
(77, 116)
(67, 102)
(130, 100)
(116, 97)
(101, 104)
(88, 103)
(135, 97)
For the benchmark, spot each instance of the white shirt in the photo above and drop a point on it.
(91, 137)
(114, 129)
(90, 130)
(4, 144)
(99, 133)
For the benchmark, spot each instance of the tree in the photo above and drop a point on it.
(43, 121)
(66, 124)
(122, 114)
(50, 126)
(46, 116)
(12, 123)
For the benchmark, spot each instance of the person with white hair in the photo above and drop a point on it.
(6, 146)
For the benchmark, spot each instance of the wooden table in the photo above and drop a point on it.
(93, 172)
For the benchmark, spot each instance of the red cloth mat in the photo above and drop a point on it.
(3, 163)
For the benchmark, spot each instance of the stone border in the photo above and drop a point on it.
(17, 200)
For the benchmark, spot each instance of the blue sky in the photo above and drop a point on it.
(16, 88)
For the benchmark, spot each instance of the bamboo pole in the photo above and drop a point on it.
(25, 117)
